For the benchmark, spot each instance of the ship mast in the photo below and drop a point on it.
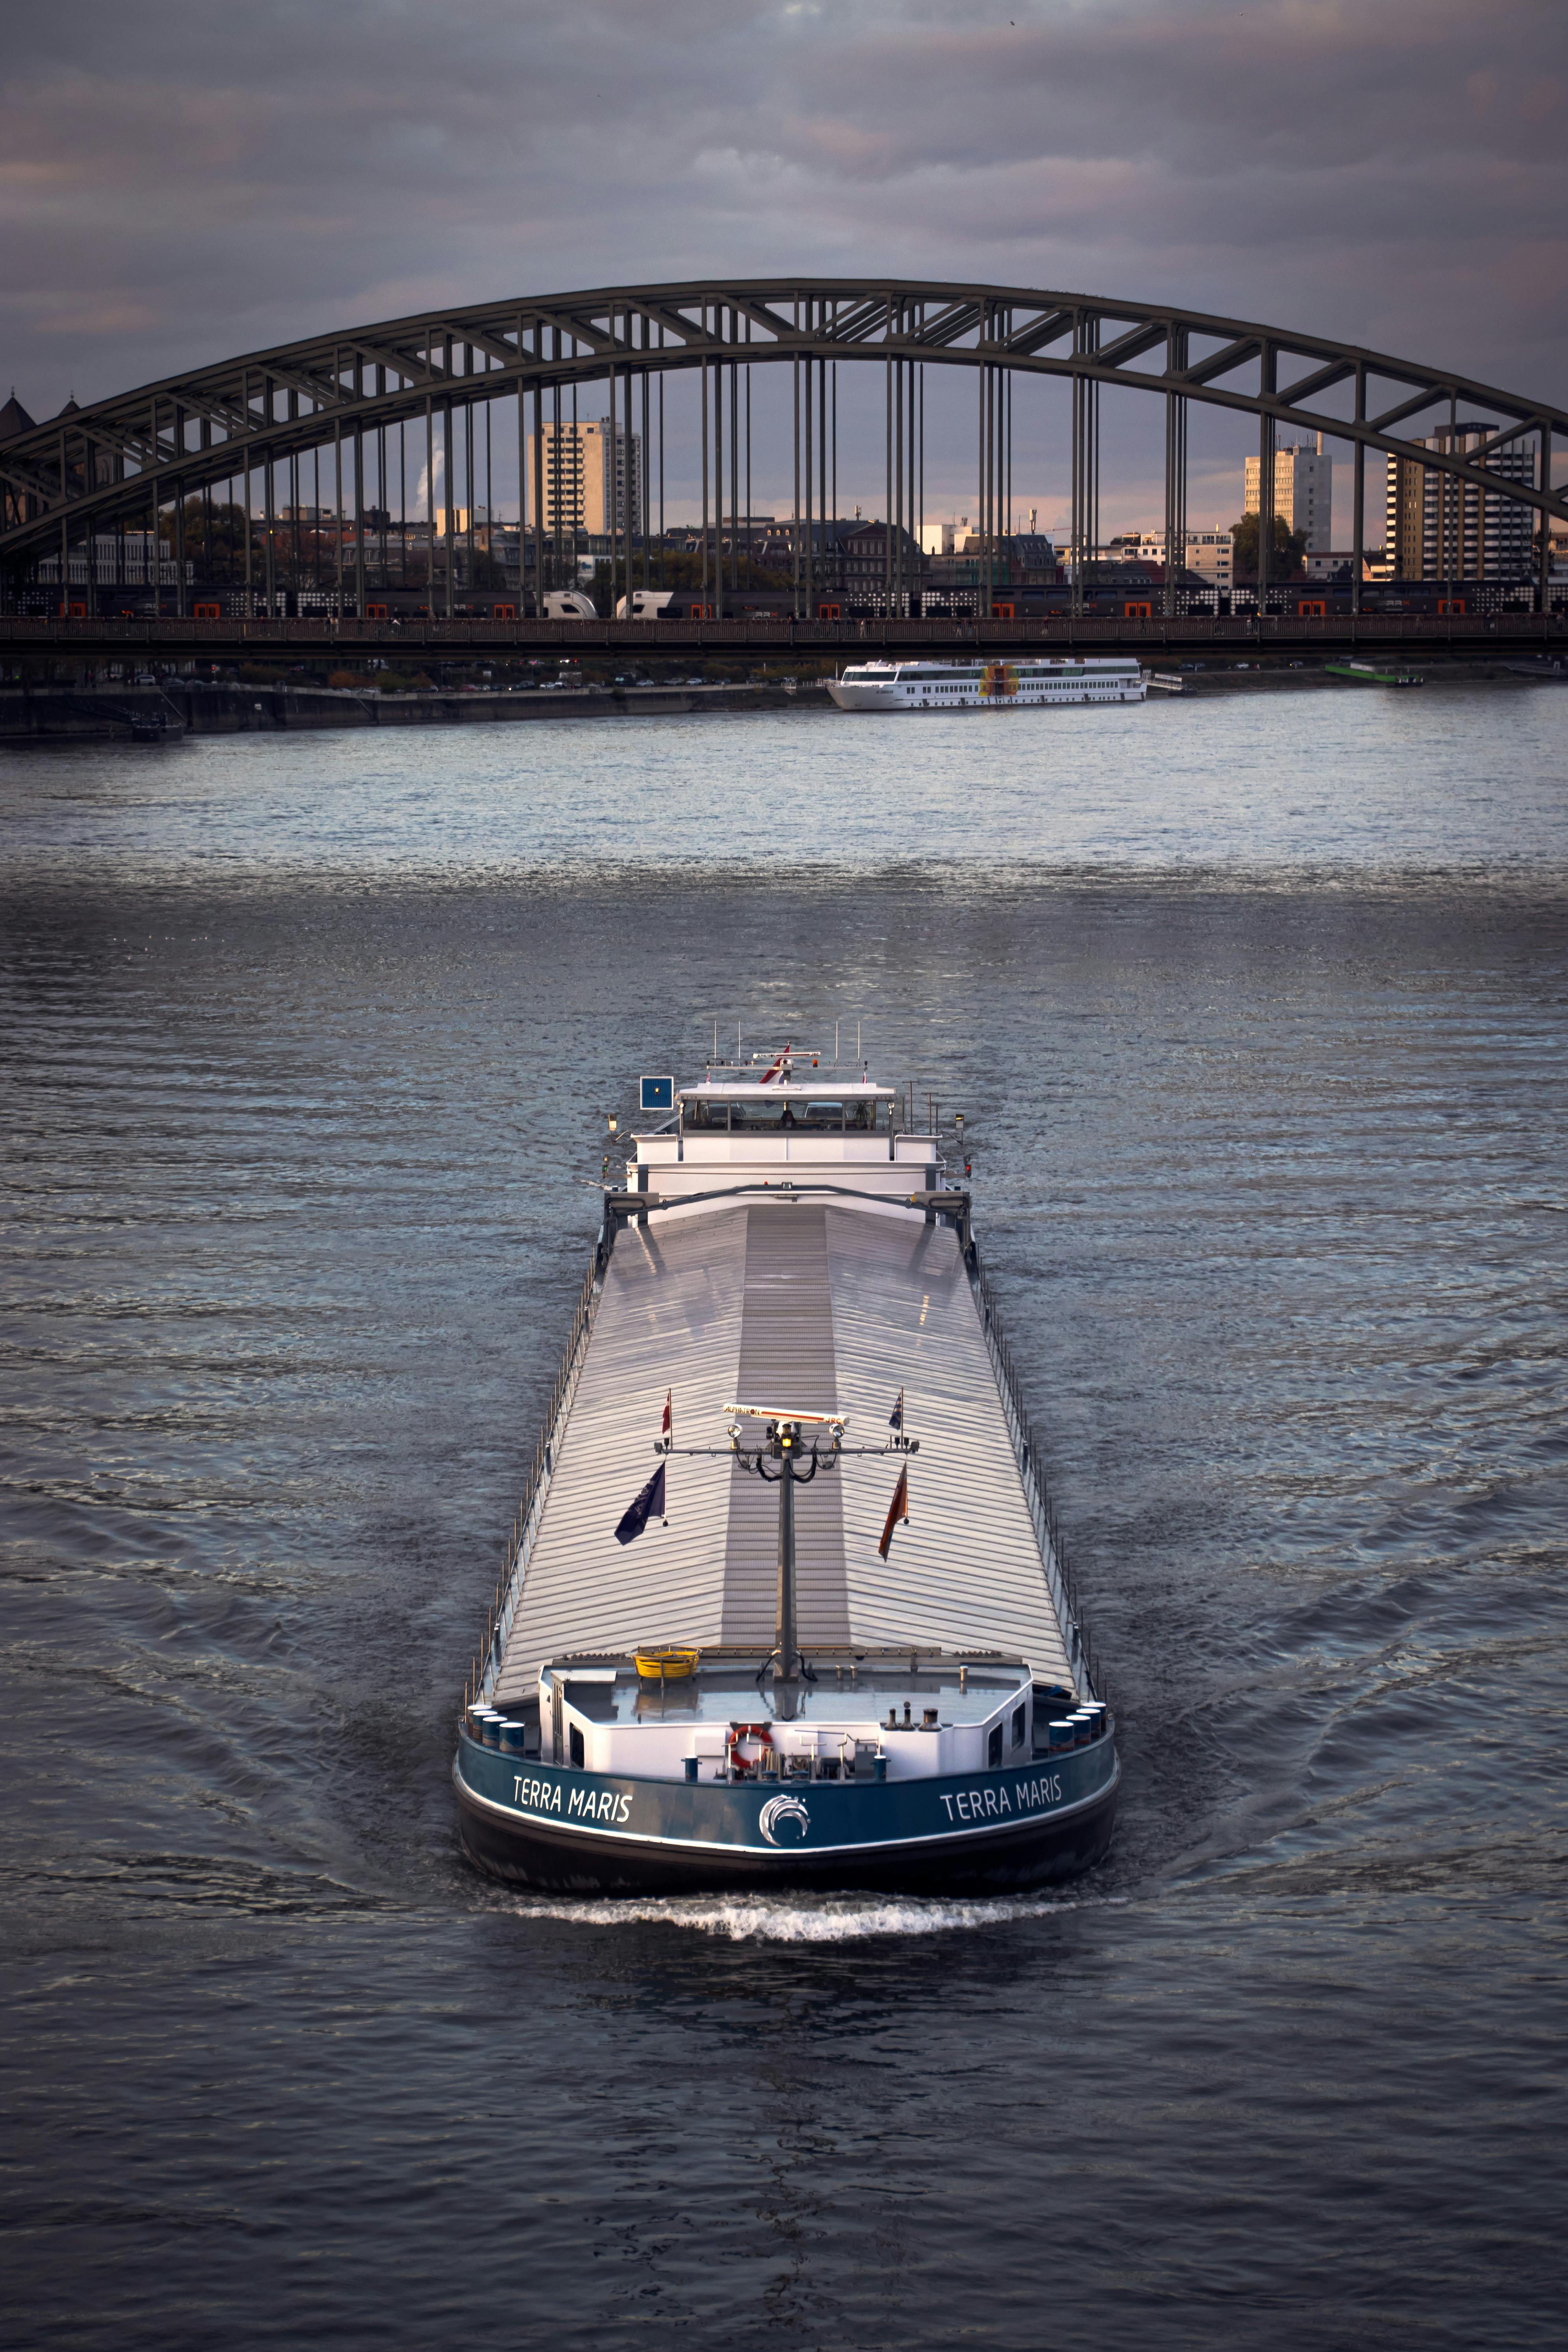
(782, 1446)
(797, 1465)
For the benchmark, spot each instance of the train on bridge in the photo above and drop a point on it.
(1134, 600)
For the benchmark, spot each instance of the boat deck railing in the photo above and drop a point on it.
(487, 1663)
(1037, 1486)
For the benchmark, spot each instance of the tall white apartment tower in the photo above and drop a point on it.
(586, 469)
(1303, 493)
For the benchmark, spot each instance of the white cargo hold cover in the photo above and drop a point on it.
(818, 1308)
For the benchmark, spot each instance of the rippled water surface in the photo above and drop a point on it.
(1257, 1009)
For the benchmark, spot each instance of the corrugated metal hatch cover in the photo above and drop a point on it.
(827, 1309)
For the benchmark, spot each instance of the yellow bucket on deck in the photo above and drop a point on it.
(666, 1666)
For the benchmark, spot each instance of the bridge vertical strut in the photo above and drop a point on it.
(719, 465)
(1545, 531)
(809, 388)
(1265, 482)
(359, 516)
(1358, 493)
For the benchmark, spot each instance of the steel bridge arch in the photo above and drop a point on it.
(110, 461)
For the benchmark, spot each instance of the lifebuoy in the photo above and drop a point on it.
(760, 1732)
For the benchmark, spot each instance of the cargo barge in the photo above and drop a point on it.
(830, 1641)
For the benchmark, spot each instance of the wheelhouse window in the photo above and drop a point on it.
(703, 1118)
(767, 1114)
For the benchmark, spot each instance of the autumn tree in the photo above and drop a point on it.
(1288, 556)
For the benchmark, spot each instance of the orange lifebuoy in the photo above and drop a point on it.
(761, 1732)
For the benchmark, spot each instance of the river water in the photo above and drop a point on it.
(1257, 1010)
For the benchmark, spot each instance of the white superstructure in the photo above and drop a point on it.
(986, 685)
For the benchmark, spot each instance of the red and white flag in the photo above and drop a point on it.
(899, 1508)
(666, 1429)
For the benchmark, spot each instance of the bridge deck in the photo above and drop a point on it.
(175, 639)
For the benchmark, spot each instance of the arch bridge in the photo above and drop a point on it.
(249, 423)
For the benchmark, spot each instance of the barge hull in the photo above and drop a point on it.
(1011, 1858)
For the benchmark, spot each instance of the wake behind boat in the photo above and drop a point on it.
(830, 1641)
(986, 686)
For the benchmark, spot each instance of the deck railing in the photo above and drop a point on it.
(1037, 1486)
(487, 1665)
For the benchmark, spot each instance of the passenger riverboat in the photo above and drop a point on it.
(830, 1641)
(986, 685)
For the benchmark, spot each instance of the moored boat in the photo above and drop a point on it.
(831, 1641)
(1364, 673)
(986, 685)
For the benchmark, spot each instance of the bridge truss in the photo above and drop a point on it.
(120, 462)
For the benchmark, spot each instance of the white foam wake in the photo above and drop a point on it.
(784, 1920)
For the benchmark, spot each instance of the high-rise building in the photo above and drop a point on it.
(1303, 493)
(584, 469)
(1440, 529)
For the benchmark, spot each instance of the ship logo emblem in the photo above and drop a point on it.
(779, 1812)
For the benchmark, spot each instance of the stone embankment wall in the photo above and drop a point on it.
(180, 706)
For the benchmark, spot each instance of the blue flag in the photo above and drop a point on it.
(896, 1418)
(650, 1505)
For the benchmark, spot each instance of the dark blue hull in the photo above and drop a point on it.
(569, 1831)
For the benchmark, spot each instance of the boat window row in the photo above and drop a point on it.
(745, 1117)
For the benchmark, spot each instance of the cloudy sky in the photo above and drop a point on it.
(187, 180)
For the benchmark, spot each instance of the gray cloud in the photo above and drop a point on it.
(187, 182)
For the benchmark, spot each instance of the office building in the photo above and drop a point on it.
(584, 477)
(1303, 493)
(1206, 552)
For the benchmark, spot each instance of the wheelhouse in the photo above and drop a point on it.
(728, 1109)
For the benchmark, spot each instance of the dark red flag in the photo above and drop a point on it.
(899, 1508)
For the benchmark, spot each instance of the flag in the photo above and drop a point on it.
(668, 1431)
(650, 1505)
(899, 1508)
(896, 1418)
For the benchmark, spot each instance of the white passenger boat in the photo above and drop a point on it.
(830, 1641)
(986, 685)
